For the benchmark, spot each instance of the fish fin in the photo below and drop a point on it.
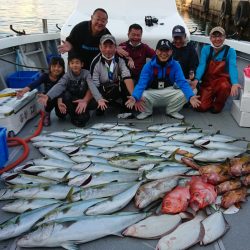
(69, 246)
(65, 177)
(119, 234)
(217, 132)
(172, 156)
(74, 151)
(69, 197)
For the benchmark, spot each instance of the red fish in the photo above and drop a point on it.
(228, 186)
(212, 173)
(246, 180)
(240, 166)
(176, 201)
(202, 193)
(234, 196)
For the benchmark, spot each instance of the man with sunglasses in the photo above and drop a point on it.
(217, 72)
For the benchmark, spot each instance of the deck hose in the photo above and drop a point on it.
(16, 141)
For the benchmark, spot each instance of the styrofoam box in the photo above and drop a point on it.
(242, 118)
(246, 84)
(245, 101)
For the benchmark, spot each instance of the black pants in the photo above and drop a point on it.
(115, 92)
(53, 104)
(77, 119)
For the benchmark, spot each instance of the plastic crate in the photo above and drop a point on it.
(3, 147)
(21, 79)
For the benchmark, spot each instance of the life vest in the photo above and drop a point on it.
(160, 83)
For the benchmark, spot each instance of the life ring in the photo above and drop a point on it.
(205, 6)
(241, 14)
(225, 8)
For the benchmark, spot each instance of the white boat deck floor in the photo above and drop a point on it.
(237, 238)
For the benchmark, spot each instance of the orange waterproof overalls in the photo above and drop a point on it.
(215, 87)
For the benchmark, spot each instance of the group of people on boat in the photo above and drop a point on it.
(102, 73)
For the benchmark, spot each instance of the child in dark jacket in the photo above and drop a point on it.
(56, 71)
(74, 88)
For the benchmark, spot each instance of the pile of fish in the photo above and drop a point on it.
(75, 193)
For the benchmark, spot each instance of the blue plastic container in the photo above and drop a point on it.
(21, 79)
(4, 155)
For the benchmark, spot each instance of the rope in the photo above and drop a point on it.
(17, 64)
(16, 141)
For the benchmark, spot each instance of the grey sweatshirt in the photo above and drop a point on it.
(61, 86)
(100, 76)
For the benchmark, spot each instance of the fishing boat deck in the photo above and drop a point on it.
(237, 238)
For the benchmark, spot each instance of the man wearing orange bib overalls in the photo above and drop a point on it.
(217, 72)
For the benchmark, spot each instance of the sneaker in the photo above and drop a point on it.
(125, 116)
(143, 115)
(176, 115)
(46, 121)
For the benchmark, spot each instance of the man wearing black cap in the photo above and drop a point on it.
(184, 52)
(162, 83)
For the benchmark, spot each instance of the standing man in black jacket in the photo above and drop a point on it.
(184, 52)
(84, 38)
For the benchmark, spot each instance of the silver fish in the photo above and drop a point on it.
(85, 158)
(102, 178)
(184, 236)
(159, 127)
(215, 226)
(71, 231)
(134, 161)
(103, 126)
(153, 227)
(68, 210)
(60, 174)
(102, 143)
(67, 134)
(220, 138)
(154, 190)
(22, 223)
(58, 192)
(27, 179)
(165, 172)
(52, 144)
(217, 145)
(217, 155)
(56, 154)
(52, 162)
(23, 205)
(105, 190)
(188, 137)
(115, 203)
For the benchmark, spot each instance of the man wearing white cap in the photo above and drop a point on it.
(162, 83)
(111, 77)
(217, 72)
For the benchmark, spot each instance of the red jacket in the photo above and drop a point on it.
(139, 54)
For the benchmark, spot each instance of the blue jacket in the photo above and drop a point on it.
(231, 66)
(175, 76)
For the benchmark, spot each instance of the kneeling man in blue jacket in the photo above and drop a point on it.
(162, 83)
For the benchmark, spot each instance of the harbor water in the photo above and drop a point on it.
(26, 16)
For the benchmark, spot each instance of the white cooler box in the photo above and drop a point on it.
(14, 113)
(242, 118)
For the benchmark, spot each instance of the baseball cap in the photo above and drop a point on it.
(164, 44)
(217, 29)
(107, 37)
(178, 30)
